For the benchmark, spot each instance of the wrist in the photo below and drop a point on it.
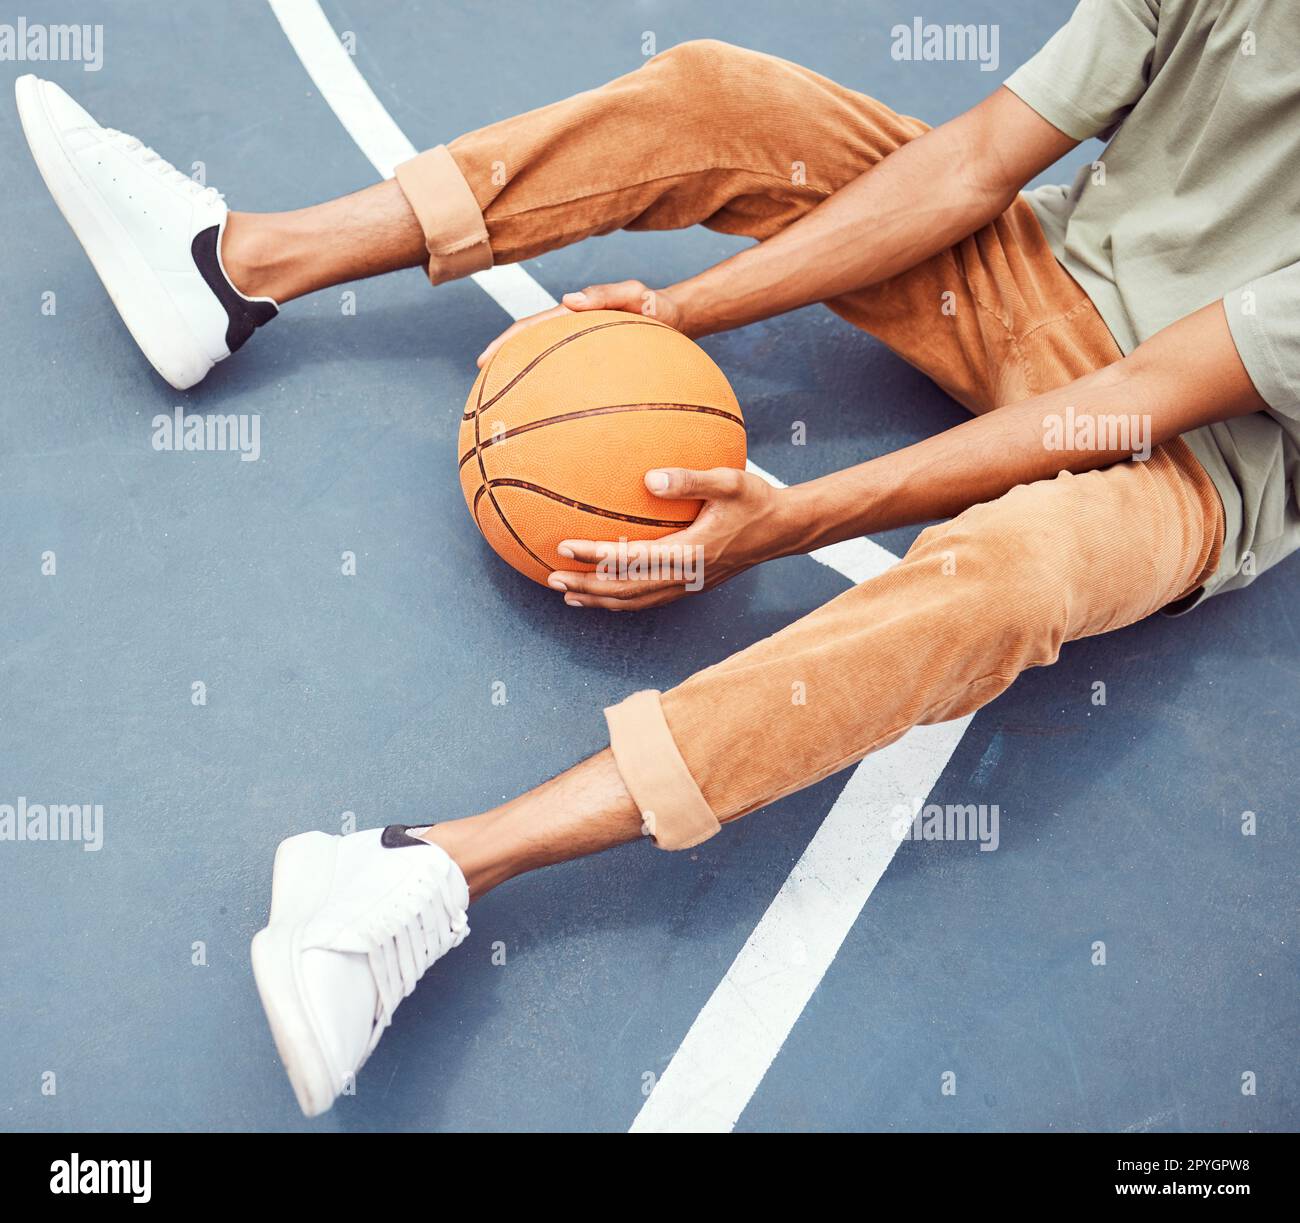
(795, 521)
(829, 510)
(691, 308)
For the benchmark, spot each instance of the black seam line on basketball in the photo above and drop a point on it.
(575, 504)
(503, 481)
(482, 473)
(613, 407)
(541, 356)
(492, 501)
(480, 405)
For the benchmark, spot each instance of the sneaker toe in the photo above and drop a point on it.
(63, 112)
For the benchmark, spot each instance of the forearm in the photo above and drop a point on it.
(1183, 377)
(914, 203)
(921, 199)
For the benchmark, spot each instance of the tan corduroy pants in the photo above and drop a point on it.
(710, 134)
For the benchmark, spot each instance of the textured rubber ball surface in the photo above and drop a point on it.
(563, 423)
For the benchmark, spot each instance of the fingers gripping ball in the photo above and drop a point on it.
(567, 417)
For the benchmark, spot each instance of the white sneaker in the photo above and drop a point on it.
(152, 233)
(355, 922)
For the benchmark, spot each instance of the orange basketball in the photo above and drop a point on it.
(568, 416)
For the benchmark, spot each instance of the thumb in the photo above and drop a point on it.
(683, 482)
(593, 297)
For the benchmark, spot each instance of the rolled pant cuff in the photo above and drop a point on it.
(454, 232)
(675, 813)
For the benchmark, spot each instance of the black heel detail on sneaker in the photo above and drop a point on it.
(395, 837)
(245, 314)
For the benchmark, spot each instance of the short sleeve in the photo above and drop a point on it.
(1264, 318)
(1093, 70)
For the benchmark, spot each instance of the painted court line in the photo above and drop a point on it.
(364, 118)
(742, 1027)
(734, 1039)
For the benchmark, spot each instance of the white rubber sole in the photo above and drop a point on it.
(304, 869)
(141, 299)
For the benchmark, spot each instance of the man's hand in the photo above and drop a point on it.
(744, 520)
(629, 295)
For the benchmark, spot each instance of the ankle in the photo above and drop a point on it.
(257, 260)
(477, 850)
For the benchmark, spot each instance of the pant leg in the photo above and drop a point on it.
(742, 142)
(975, 602)
(703, 133)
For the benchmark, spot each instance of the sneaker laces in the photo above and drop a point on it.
(146, 157)
(415, 925)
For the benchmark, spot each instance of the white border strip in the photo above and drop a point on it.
(741, 1029)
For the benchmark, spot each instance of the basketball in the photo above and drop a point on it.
(565, 420)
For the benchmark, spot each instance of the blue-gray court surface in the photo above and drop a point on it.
(966, 995)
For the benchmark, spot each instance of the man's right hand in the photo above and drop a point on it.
(629, 295)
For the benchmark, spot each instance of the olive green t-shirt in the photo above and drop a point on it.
(1196, 198)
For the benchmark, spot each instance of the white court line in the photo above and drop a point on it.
(742, 1027)
(376, 134)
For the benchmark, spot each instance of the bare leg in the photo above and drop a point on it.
(582, 811)
(284, 255)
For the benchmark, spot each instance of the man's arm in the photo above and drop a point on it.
(922, 198)
(925, 196)
(1187, 375)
